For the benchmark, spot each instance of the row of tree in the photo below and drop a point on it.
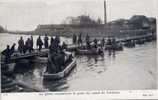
(82, 20)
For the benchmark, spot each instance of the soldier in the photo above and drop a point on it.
(64, 46)
(56, 43)
(102, 42)
(21, 45)
(46, 41)
(39, 43)
(74, 38)
(6, 53)
(31, 41)
(80, 39)
(95, 43)
(28, 45)
(87, 41)
(12, 49)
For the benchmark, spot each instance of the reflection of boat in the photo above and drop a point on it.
(89, 52)
(67, 69)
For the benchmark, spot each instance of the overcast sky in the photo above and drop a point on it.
(27, 14)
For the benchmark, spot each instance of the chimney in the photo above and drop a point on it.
(105, 19)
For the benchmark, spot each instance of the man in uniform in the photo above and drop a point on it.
(31, 41)
(46, 41)
(39, 43)
(21, 45)
(6, 53)
(74, 38)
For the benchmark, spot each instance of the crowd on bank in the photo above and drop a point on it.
(54, 44)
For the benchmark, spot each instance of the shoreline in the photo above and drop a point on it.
(99, 34)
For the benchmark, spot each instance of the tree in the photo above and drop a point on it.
(82, 20)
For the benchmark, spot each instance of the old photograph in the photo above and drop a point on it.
(77, 45)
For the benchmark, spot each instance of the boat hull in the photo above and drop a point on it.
(88, 52)
(59, 75)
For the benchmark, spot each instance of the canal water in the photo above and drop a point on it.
(132, 68)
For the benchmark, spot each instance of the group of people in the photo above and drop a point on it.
(56, 56)
(28, 45)
(78, 40)
(8, 52)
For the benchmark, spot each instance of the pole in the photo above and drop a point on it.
(105, 20)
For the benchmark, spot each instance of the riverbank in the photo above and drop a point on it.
(92, 32)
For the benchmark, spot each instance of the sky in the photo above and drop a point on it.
(27, 14)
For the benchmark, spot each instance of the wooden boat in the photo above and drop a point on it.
(140, 41)
(117, 47)
(89, 52)
(62, 74)
(129, 44)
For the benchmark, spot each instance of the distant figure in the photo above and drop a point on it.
(102, 42)
(109, 42)
(46, 41)
(51, 41)
(39, 43)
(74, 38)
(80, 39)
(6, 53)
(56, 43)
(12, 49)
(64, 46)
(31, 41)
(21, 45)
(88, 41)
(95, 42)
(28, 45)
(113, 41)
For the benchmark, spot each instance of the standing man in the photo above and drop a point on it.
(6, 53)
(21, 45)
(28, 45)
(102, 42)
(39, 43)
(31, 41)
(95, 43)
(46, 41)
(74, 38)
(80, 39)
(87, 41)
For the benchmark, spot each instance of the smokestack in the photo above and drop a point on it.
(105, 20)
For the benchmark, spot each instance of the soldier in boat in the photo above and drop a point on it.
(80, 39)
(74, 38)
(39, 43)
(28, 45)
(21, 45)
(6, 53)
(12, 49)
(114, 44)
(102, 42)
(51, 41)
(56, 59)
(56, 43)
(95, 42)
(64, 46)
(109, 42)
(31, 41)
(88, 41)
(46, 41)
